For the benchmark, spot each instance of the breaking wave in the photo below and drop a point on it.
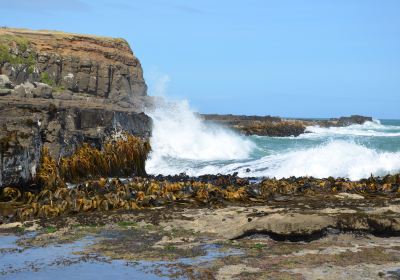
(179, 134)
(337, 159)
(183, 143)
(372, 129)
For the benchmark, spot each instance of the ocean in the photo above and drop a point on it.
(183, 143)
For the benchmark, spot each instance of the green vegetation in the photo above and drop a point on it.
(31, 68)
(93, 225)
(258, 246)
(8, 39)
(50, 230)
(44, 78)
(22, 44)
(59, 88)
(127, 224)
(121, 41)
(4, 54)
(170, 247)
(20, 229)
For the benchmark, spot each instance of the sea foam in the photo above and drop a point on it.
(178, 133)
(336, 158)
(371, 129)
(182, 142)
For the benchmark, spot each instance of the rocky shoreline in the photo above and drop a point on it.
(279, 127)
(59, 91)
(212, 227)
(73, 145)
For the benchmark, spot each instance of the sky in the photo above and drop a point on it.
(292, 58)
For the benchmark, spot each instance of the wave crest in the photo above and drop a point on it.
(372, 129)
(178, 133)
(337, 159)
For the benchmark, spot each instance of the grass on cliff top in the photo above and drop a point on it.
(24, 34)
(6, 41)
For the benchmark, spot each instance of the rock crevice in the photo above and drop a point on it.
(60, 90)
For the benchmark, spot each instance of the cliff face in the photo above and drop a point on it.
(61, 90)
(104, 68)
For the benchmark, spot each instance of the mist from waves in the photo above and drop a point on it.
(371, 129)
(179, 135)
(182, 142)
(336, 158)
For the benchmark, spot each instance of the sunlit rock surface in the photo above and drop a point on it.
(60, 90)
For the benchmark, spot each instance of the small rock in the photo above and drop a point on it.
(43, 91)
(24, 90)
(5, 91)
(349, 196)
(5, 82)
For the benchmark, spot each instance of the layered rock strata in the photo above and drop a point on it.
(60, 90)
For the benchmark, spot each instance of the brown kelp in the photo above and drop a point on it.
(47, 175)
(140, 192)
(123, 157)
(89, 167)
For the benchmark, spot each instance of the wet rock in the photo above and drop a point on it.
(349, 196)
(60, 91)
(286, 222)
(319, 195)
(277, 127)
(354, 119)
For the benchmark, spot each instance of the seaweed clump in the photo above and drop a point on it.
(123, 157)
(139, 192)
(47, 175)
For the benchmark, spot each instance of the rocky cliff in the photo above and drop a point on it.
(60, 90)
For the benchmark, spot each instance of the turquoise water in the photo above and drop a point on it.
(381, 135)
(355, 152)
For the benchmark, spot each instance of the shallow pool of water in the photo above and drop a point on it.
(63, 261)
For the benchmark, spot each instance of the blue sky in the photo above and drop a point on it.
(294, 58)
